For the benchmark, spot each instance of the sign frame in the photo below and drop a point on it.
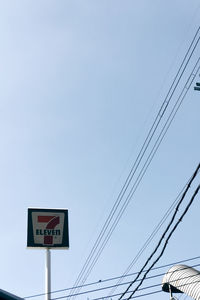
(30, 228)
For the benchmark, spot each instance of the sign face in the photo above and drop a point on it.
(48, 228)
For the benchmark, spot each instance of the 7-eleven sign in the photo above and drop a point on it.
(48, 228)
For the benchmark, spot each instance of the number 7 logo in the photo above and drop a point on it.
(51, 221)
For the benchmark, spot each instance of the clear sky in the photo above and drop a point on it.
(80, 85)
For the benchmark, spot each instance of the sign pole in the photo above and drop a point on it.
(48, 274)
(48, 229)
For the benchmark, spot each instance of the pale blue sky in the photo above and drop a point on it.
(80, 85)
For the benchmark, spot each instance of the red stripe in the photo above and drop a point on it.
(48, 240)
(52, 224)
(45, 219)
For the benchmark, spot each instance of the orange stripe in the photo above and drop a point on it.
(44, 219)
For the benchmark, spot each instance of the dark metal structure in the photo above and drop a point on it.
(197, 87)
(8, 296)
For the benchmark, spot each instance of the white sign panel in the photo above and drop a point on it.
(48, 228)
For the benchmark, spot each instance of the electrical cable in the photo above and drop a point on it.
(169, 236)
(148, 287)
(169, 225)
(153, 151)
(141, 289)
(152, 286)
(114, 278)
(150, 238)
(147, 163)
(137, 162)
(171, 120)
(147, 294)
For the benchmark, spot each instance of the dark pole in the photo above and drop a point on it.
(197, 87)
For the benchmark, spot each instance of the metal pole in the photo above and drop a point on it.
(170, 291)
(48, 274)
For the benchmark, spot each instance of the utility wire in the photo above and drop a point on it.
(143, 295)
(145, 166)
(134, 168)
(151, 155)
(168, 227)
(169, 236)
(156, 285)
(150, 238)
(189, 81)
(117, 277)
(152, 286)
(165, 245)
(141, 289)
(114, 225)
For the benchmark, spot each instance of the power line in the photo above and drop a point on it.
(129, 178)
(158, 142)
(96, 290)
(156, 285)
(143, 295)
(99, 244)
(117, 277)
(144, 168)
(188, 81)
(150, 238)
(165, 245)
(141, 289)
(168, 227)
(169, 236)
